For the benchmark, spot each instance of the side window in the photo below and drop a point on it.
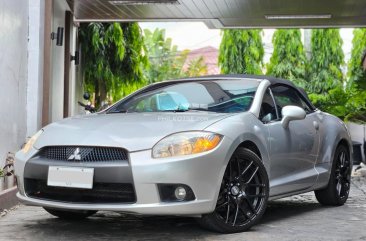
(284, 95)
(308, 109)
(268, 110)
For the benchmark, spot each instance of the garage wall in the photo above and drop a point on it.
(57, 65)
(13, 75)
(35, 66)
(75, 83)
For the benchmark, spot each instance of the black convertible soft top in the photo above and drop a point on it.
(271, 79)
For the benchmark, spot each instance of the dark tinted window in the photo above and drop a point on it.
(284, 95)
(268, 110)
(308, 109)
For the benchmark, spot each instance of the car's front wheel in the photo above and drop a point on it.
(70, 214)
(337, 191)
(243, 195)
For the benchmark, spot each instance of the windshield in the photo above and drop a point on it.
(223, 96)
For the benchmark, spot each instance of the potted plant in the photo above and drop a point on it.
(9, 170)
(2, 179)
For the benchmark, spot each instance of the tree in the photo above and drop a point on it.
(326, 60)
(166, 61)
(196, 67)
(357, 76)
(357, 79)
(112, 58)
(348, 103)
(241, 52)
(288, 60)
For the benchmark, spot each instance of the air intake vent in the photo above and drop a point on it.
(101, 192)
(84, 154)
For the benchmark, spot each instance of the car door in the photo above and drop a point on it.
(292, 151)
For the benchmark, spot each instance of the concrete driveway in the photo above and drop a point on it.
(296, 218)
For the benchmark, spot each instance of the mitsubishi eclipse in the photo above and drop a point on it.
(216, 148)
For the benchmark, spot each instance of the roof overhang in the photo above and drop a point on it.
(227, 13)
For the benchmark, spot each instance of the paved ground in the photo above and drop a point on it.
(296, 218)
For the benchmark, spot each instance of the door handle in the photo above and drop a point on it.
(316, 125)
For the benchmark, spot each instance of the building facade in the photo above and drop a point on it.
(37, 77)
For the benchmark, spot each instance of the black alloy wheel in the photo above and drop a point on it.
(337, 191)
(243, 194)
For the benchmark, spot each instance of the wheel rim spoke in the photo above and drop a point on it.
(246, 169)
(246, 214)
(223, 204)
(342, 174)
(256, 195)
(227, 213)
(255, 185)
(230, 178)
(339, 185)
(252, 176)
(236, 214)
(249, 204)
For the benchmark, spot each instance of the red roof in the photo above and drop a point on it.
(210, 56)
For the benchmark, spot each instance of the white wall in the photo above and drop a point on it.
(75, 86)
(57, 65)
(35, 66)
(13, 75)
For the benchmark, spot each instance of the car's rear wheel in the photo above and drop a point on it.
(243, 195)
(337, 191)
(70, 214)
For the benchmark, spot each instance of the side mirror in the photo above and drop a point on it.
(290, 113)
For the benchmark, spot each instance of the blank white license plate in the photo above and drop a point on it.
(73, 177)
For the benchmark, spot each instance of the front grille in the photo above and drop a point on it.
(83, 154)
(101, 192)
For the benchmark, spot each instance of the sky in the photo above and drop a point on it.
(194, 35)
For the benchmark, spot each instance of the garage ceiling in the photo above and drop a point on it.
(227, 13)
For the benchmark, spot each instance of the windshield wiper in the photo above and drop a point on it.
(184, 110)
(117, 111)
(172, 110)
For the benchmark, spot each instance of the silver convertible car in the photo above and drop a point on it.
(216, 148)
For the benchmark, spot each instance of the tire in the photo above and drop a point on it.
(70, 214)
(242, 198)
(337, 191)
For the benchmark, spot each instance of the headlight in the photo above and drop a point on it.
(186, 143)
(31, 141)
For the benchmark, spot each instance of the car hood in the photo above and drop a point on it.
(132, 131)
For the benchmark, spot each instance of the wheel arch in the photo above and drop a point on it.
(255, 143)
(251, 146)
(344, 142)
(333, 134)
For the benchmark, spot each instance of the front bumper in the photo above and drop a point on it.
(196, 207)
(202, 173)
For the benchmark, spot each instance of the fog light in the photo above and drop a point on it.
(180, 193)
(176, 192)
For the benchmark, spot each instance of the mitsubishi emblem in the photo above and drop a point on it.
(76, 156)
